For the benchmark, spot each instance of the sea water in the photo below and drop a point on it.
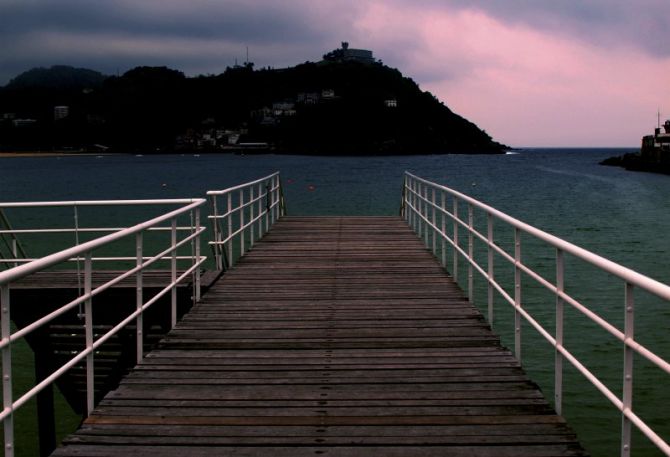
(624, 216)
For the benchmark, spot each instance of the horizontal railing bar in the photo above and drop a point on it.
(99, 342)
(94, 259)
(647, 431)
(639, 348)
(103, 339)
(48, 380)
(242, 186)
(237, 209)
(238, 231)
(167, 201)
(662, 364)
(98, 290)
(85, 230)
(145, 265)
(628, 275)
(580, 367)
(58, 257)
(244, 227)
(647, 354)
(43, 320)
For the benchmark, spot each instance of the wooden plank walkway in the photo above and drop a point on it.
(336, 337)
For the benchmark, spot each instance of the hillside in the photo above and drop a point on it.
(61, 77)
(330, 107)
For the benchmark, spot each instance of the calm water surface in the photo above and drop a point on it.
(621, 215)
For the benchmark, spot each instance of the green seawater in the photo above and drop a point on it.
(621, 215)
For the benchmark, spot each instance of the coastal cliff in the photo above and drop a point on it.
(336, 106)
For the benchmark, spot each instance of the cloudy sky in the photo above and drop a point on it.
(529, 72)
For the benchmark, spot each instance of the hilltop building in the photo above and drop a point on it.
(654, 155)
(347, 54)
(656, 147)
(61, 112)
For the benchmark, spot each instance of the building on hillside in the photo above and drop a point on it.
(61, 112)
(347, 54)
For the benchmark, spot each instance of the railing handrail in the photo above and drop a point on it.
(45, 204)
(242, 186)
(628, 275)
(420, 194)
(245, 202)
(88, 292)
(76, 251)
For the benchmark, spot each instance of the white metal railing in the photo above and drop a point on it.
(141, 262)
(17, 253)
(433, 212)
(10, 246)
(250, 209)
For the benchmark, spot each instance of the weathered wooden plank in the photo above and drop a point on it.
(336, 336)
(494, 450)
(324, 440)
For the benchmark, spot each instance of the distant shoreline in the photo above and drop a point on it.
(49, 153)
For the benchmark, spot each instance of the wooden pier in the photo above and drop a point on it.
(338, 336)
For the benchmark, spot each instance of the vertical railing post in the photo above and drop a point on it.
(273, 201)
(139, 299)
(403, 205)
(424, 201)
(417, 206)
(251, 217)
(629, 333)
(419, 203)
(517, 293)
(558, 358)
(173, 273)
(15, 251)
(434, 222)
(414, 208)
(260, 210)
(491, 269)
(268, 204)
(241, 203)
(471, 253)
(455, 237)
(282, 199)
(216, 235)
(271, 196)
(196, 240)
(88, 323)
(278, 212)
(443, 205)
(7, 395)
(230, 230)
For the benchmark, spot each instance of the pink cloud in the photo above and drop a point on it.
(524, 86)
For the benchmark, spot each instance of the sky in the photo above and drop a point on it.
(545, 73)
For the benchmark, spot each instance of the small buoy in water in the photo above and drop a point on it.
(474, 184)
(164, 185)
(311, 188)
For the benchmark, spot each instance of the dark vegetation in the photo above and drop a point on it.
(312, 108)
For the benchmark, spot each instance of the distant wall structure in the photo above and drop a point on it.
(347, 54)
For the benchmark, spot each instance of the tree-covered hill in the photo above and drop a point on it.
(61, 77)
(330, 107)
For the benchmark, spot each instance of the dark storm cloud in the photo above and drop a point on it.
(202, 36)
(44, 32)
(206, 19)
